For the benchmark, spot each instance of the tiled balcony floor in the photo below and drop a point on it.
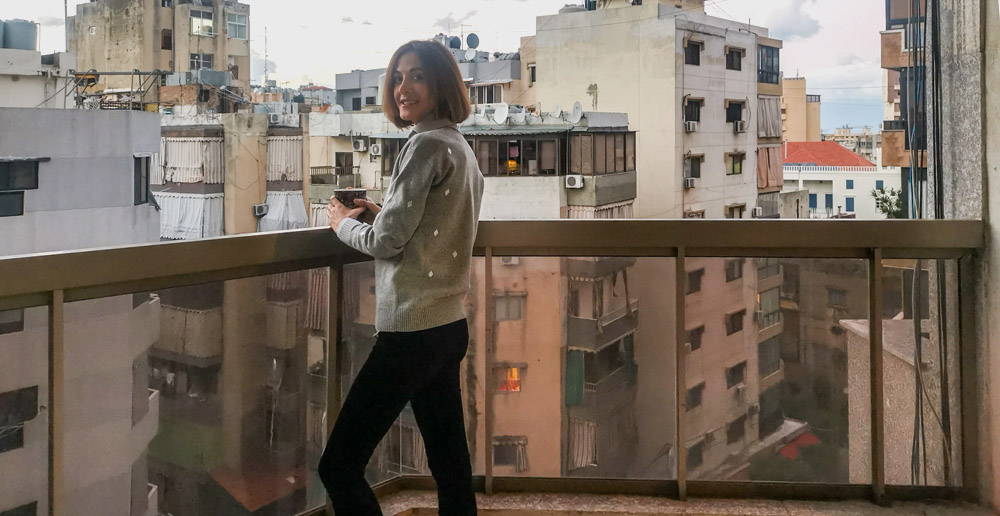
(424, 503)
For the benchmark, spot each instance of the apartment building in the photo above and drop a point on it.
(863, 142)
(904, 132)
(800, 111)
(29, 79)
(171, 36)
(840, 183)
(66, 189)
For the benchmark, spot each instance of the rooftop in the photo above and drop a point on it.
(822, 154)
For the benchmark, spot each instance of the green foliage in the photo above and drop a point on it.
(889, 203)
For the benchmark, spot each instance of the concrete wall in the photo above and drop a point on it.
(988, 357)
(27, 83)
(246, 175)
(523, 198)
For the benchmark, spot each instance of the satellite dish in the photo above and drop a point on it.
(472, 40)
(470, 54)
(557, 112)
(337, 109)
(500, 115)
(577, 113)
(520, 116)
(455, 42)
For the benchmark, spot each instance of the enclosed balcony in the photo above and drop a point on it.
(641, 425)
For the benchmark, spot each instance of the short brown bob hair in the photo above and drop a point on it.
(444, 81)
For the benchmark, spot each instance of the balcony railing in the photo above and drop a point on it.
(56, 279)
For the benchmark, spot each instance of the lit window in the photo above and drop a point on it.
(510, 379)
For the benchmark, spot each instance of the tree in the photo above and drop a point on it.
(888, 203)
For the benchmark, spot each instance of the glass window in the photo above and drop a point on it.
(736, 430)
(166, 39)
(695, 455)
(692, 53)
(849, 201)
(11, 204)
(509, 307)
(18, 175)
(734, 269)
(630, 152)
(694, 395)
(850, 184)
(600, 154)
(769, 356)
(812, 201)
(141, 180)
(836, 297)
(692, 166)
(237, 25)
(829, 201)
(532, 74)
(735, 212)
(734, 163)
(202, 23)
(768, 65)
(734, 322)
(880, 185)
(694, 338)
(692, 110)
(734, 111)
(734, 59)
(199, 61)
(736, 375)
(694, 280)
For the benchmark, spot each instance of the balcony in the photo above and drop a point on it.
(895, 147)
(659, 484)
(594, 334)
(894, 55)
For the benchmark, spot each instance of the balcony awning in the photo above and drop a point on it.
(517, 130)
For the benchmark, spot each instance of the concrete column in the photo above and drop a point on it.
(245, 154)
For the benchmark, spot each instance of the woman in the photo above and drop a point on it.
(421, 240)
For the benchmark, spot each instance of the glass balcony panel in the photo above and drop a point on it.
(570, 398)
(772, 367)
(24, 424)
(199, 400)
(922, 409)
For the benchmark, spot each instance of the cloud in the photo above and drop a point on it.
(793, 22)
(845, 59)
(366, 22)
(257, 68)
(347, 19)
(50, 21)
(449, 22)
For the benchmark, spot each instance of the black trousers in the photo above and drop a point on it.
(421, 368)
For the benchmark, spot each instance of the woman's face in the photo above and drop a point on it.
(413, 98)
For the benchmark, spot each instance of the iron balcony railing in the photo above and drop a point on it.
(54, 279)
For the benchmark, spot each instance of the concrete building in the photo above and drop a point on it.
(160, 35)
(839, 182)
(29, 79)
(905, 126)
(360, 89)
(65, 189)
(800, 112)
(318, 95)
(864, 143)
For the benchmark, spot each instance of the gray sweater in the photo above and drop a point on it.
(422, 239)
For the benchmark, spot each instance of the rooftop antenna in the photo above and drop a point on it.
(577, 114)
(500, 115)
(265, 56)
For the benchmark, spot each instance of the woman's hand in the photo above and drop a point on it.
(338, 212)
(371, 209)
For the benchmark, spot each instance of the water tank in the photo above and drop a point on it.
(572, 8)
(20, 34)
(455, 42)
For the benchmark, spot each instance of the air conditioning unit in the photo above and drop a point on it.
(739, 126)
(688, 183)
(758, 211)
(510, 260)
(273, 118)
(375, 149)
(574, 181)
(360, 145)
(259, 210)
(690, 126)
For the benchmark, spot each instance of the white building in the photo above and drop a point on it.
(64, 188)
(839, 182)
(27, 78)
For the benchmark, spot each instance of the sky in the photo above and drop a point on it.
(833, 44)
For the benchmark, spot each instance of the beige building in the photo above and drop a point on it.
(160, 35)
(800, 111)
(864, 142)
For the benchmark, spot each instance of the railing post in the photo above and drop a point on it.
(680, 297)
(57, 378)
(968, 374)
(334, 366)
(877, 378)
(490, 358)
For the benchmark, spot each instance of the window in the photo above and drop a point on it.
(694, 396)
(28, 509)
(404, 441)
(694, 337)
(167, 3)
(829, 201)
(769, 304)
(692, 166)
(488, 94)
(812, 201)
(769, 356)
(199, 61)
(233, 68)
(11, 204)
(694, 280)
(692, 53)
(692, 110)
(736, 375)
(836, 297)
(850, 184)
(734, 163)
(768, 65)
(510, 451)
(880, 185)
(11, 321)
(201, 23)
(356, 104)
(735, 430)
(166, 39)
(369, 101)
(510, 378)
(849, 202)
(16, 407)
(694, 214)
(734, 59)
(734, 269)
(141, 183)
(237, 25)
(695, 455)
(734, 322)
(630, 152)
(18, 175)
(532, 74)
(735, 212)
(509, 307)
(734, 111)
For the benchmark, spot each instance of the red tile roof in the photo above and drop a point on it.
(823, 154)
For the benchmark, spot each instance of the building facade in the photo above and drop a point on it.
(800, 111)
(29, 79)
